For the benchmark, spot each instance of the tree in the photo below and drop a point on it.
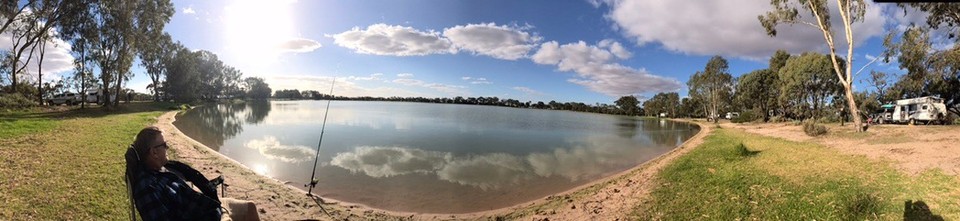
(713, 86)
(807, 84)
(31, 27)
(628, 104)
(758, 90)
(182, 75)
(929, 72)
(668, 103)
(152, 16)
(850, 11)
(878, 80)
(256, 88)
(690, 107)
(778, 60)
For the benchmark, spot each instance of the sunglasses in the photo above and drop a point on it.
(164, 145)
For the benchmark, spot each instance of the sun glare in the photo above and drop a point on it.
(255, 29)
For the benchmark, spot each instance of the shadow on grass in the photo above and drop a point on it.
(918, 210)
(742, 151)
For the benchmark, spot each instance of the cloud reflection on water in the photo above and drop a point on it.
(588, 159)
(272, 149)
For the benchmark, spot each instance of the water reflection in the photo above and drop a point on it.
(270, 148)
(590, 158)
(430, 157)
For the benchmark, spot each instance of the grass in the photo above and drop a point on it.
(735, 175)
(68, 165)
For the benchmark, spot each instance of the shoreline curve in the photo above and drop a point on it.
(280, 201)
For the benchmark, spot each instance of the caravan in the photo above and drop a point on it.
(915, 110)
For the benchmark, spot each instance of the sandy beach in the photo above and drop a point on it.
(610, 198)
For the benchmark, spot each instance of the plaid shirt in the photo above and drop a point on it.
(165, 196)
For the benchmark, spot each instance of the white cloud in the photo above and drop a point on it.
(405, 75)
(474, 80)
(299, 45)
(502, 42)
(597, 71)
(188, 10)
(449, 89)
(57, 60)
(728, 28)
(528, 91)
(372, 77)
(382, 39)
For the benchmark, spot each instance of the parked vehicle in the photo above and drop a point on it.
(925, 110)
(731, 115)
(68, 98)
(97, 97)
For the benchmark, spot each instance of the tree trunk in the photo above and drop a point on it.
(857, 122)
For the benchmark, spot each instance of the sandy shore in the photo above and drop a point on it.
(610, 198)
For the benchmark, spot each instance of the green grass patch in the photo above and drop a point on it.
(735, 175)
(20, 123)
(72, 167)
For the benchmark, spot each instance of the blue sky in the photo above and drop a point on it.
(583, 51)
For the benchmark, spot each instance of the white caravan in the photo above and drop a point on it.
(918, 110)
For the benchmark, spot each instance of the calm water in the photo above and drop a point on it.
(440, 158)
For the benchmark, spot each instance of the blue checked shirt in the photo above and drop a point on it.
(165, 196)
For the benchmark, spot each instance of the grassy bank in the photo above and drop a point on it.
(774, 179)
(68, 165)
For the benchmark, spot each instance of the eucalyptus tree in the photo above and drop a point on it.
(713, 86)
(807, 83)
(155, 47)
(30, 27)
(668, 103)
(758, 90)
(929, 71)
(628, 104)
(851, 11)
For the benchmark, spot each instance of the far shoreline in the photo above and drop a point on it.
(361, 210)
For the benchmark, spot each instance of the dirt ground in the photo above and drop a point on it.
(912, 149)
(612, 198)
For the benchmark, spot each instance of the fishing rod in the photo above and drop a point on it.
(313, 182)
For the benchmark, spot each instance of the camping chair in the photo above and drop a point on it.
(207, 187)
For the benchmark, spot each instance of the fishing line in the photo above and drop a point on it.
(313, 182)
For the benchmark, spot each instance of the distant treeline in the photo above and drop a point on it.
(625, 109)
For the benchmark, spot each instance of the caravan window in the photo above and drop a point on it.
(924, 107)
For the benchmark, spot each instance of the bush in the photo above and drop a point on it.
(16, 101)
(813, 129)
(747, 116)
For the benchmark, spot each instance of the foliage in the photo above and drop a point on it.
(256, 88)
(668, 103)
(628, 104)
(713, 86)
(851, 11)
(690, 107)
(153, 16)
(813, 129)
(758, 90)
(289, 94)
(15, 101)
(929, 71)
(807, 83)
(746, 116)
(182, 76)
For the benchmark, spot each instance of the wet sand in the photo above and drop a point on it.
(610, 198)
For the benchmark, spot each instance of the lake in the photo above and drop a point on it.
(432, 158)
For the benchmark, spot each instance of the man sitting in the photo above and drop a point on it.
(161, 193)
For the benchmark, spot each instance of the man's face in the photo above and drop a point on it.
(158, 153)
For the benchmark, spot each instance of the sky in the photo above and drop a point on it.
(590, 51)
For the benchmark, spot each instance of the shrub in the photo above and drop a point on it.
(813, 129)
(16, 101)
(747, 116)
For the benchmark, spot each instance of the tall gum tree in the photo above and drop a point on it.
(787, 12)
